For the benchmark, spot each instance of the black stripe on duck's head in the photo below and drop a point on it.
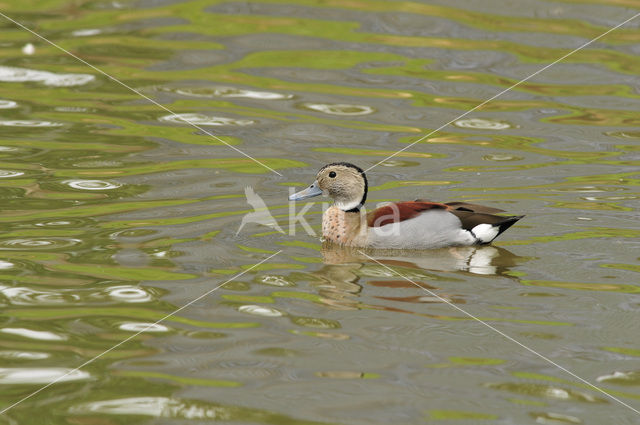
(345, 183)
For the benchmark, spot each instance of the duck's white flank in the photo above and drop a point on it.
(431, 229)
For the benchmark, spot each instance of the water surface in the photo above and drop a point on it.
(115, 212)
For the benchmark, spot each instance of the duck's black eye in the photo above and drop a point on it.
(332, 174)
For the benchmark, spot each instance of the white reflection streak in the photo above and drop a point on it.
(151, 325)
(531, 350)
(137, 92)
(506, 90)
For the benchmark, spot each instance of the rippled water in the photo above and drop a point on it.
(116, 212)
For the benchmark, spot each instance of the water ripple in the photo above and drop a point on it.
(23, 355)
(224, 91)
(170, 408)
(29, 123)
(501, 157)
(621, 378)
(339, 108)
(548, 391)
(40, 243)
(7, 104)
(86, 32)
(625, 134)
(551, 418)
(26, 296)
(20, 295)
(130, 294)
(61, 223)
(482, 124)
(201, 119)
(11, 74)
(149, 406)
(274, 280)
(99, 164)
(29, 333)
(24, 375)
(143, 327)
(92, 184)
(4, 174)
(258, 310)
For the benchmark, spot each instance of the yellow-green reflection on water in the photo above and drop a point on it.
(115, 213)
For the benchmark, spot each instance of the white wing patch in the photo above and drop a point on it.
(485, 233)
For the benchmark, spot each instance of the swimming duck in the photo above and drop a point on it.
(419, 224)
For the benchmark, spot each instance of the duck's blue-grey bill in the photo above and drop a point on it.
(309, 192)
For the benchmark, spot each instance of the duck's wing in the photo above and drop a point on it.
(400, 211)
(470, 219)
(473, 214)
(465, 206)
(470, 215)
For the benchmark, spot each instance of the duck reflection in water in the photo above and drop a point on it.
(479, 259)
(338, 280)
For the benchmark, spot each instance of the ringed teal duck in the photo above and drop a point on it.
(419, 224)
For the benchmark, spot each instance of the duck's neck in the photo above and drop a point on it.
(350, 207)
(354, 205)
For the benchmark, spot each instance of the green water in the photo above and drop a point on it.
(115, 213)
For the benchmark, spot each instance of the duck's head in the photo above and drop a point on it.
(345, 183)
